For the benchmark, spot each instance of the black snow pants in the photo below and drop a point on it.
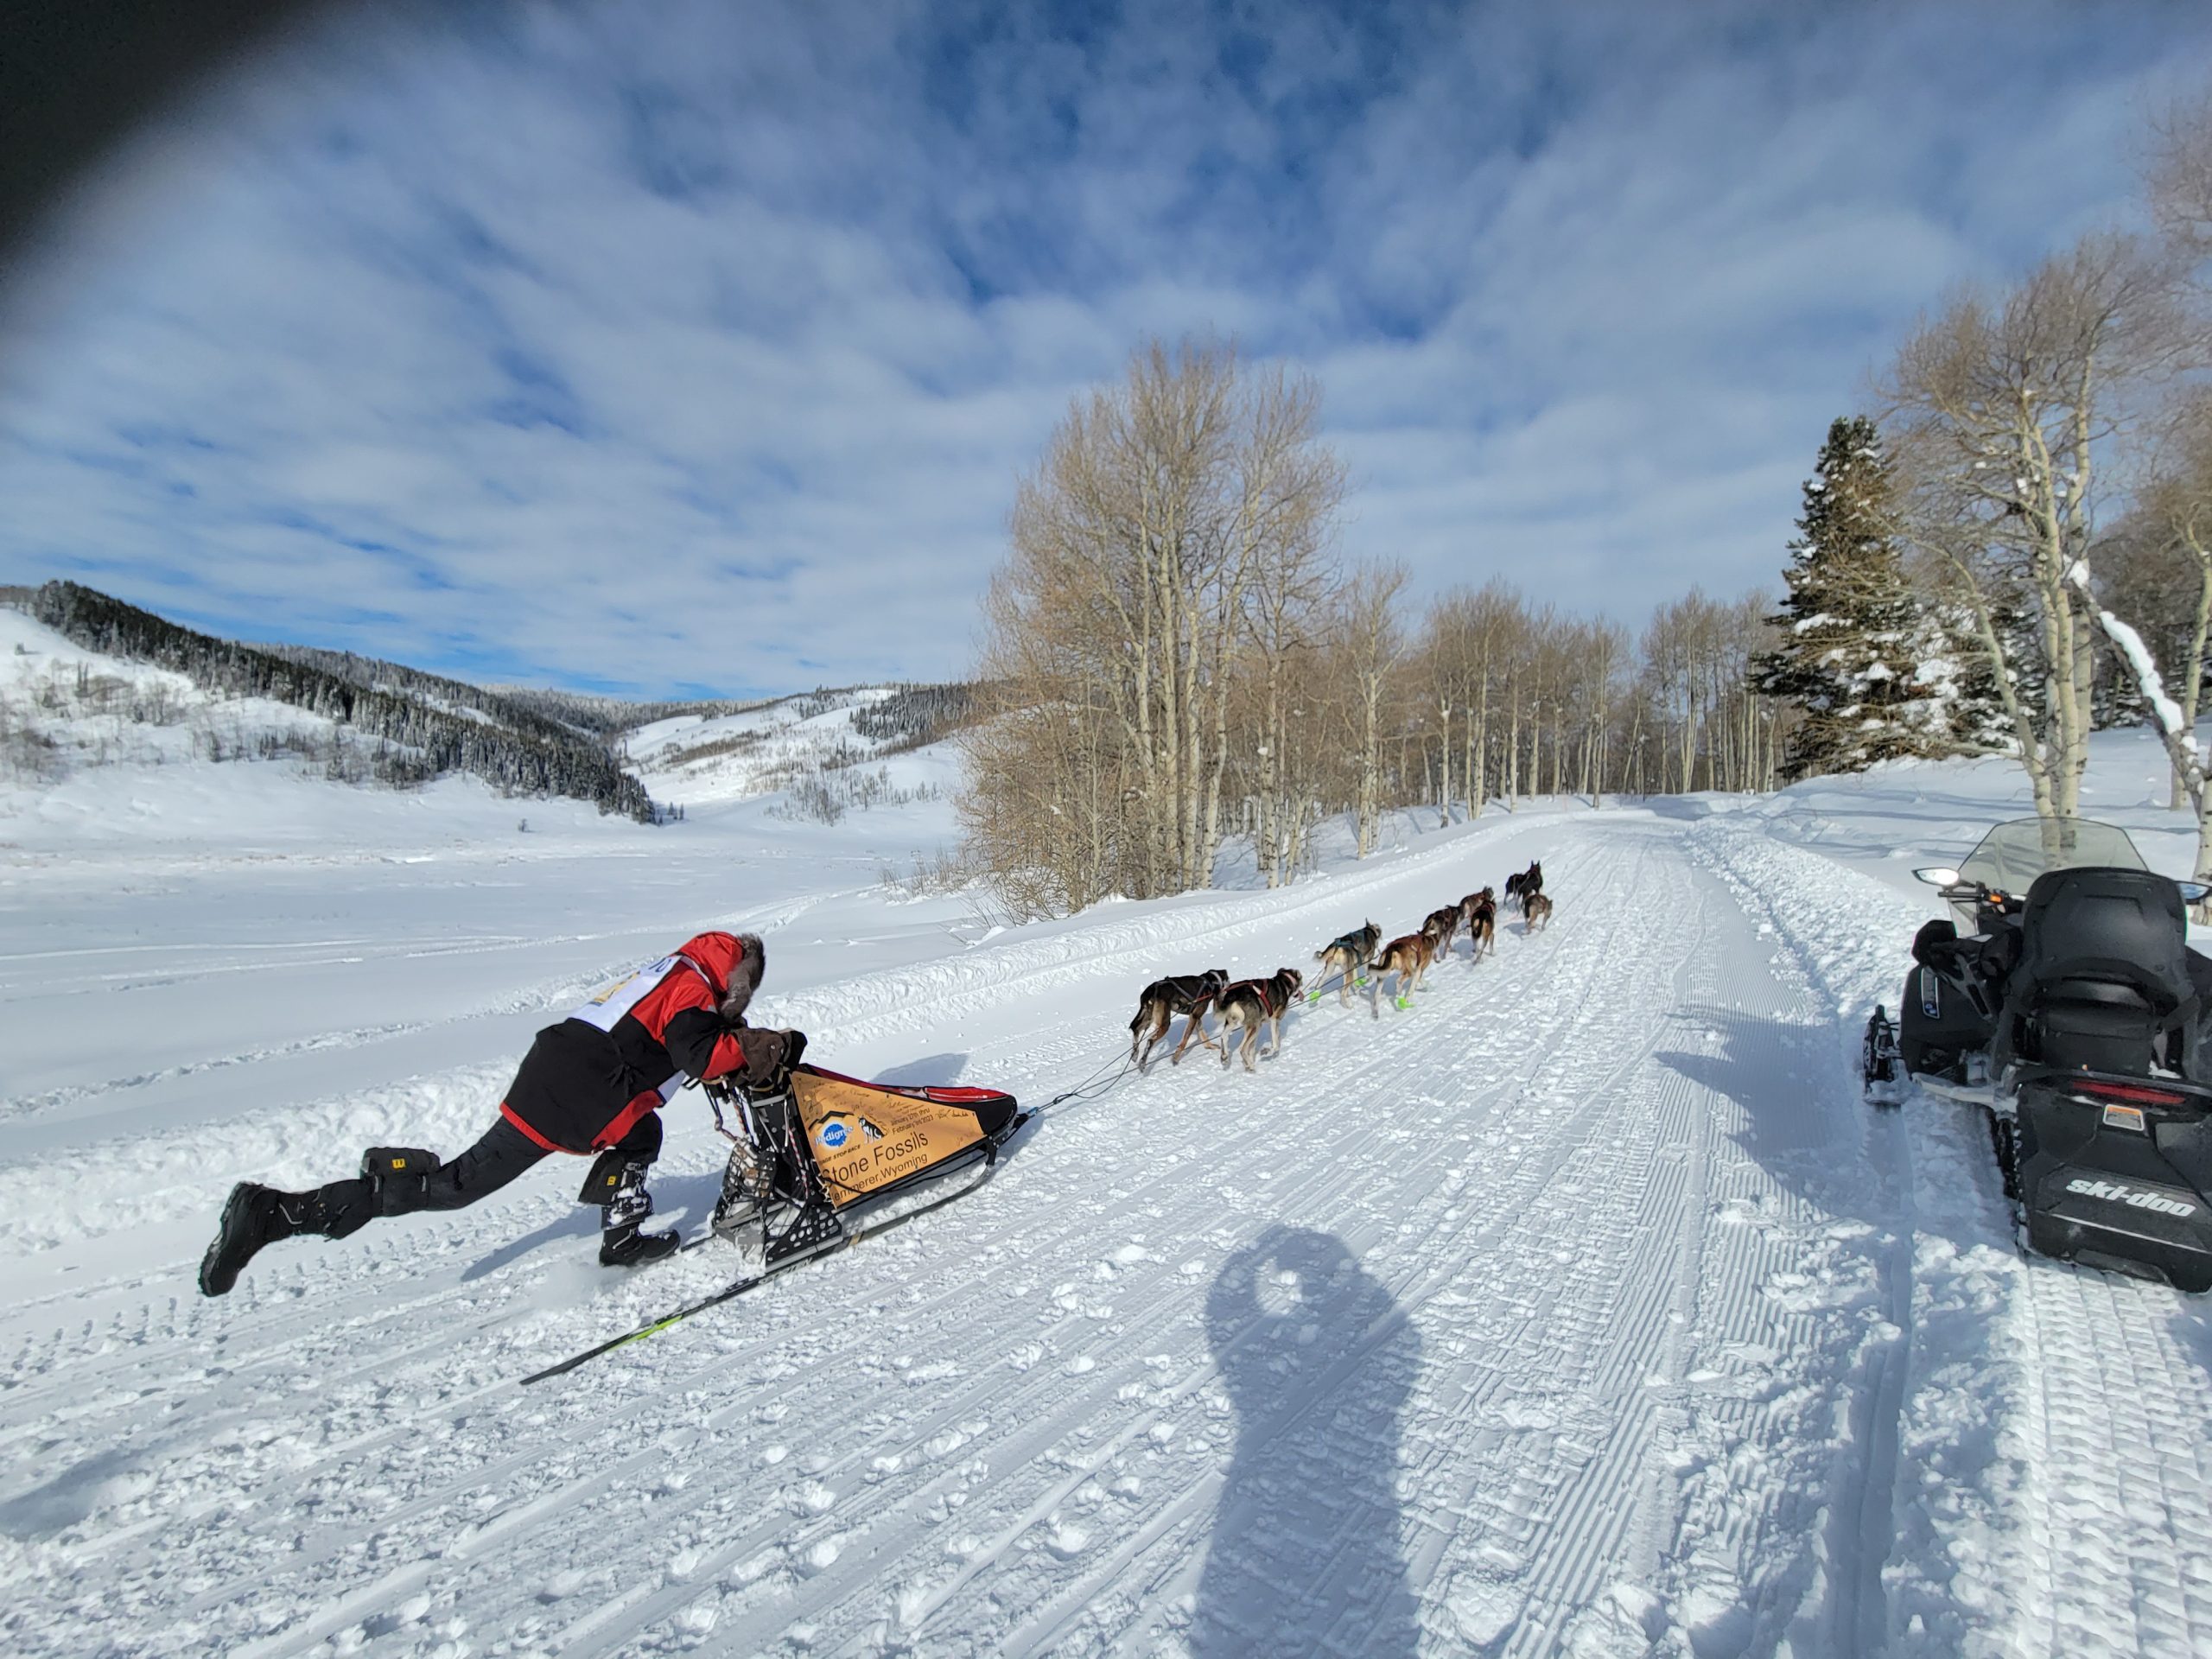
(500, 1154)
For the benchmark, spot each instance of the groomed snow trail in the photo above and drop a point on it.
(1579, 1308)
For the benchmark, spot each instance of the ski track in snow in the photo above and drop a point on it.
(1581, 1309)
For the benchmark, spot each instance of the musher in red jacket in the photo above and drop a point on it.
(594, 1083)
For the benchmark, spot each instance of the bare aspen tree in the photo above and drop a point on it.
(2000, 408)
(1285, 620)
(2174, 513)
(2179, 178)
(1374, 645)
(1602, 649)
(1119, 631)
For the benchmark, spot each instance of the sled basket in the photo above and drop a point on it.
(869, 1138)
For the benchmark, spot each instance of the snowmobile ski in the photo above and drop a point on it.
(798, 1256)
(1881, 1070)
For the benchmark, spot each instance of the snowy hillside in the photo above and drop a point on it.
(1581, 1309)
(99, 747)
(793, 741)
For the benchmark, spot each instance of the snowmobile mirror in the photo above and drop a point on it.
(1938, 877)
(2194, 893)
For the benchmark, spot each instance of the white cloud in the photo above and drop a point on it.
(555, 346)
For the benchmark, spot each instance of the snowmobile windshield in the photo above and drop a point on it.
(2012, 854)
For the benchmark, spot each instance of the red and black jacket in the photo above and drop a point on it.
(580, 1087)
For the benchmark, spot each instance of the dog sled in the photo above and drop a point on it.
(824, 1160)
(819, 1154)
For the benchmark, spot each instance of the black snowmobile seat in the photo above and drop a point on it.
(2104, 978)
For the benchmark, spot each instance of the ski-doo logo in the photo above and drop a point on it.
(2133, 1197)
(833, 1135)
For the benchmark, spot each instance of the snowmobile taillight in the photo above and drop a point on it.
(2124, 1117)
(2139, 1094)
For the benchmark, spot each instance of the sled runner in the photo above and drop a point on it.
(2070, 1006)
(828, 1161)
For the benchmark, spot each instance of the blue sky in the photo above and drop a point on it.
(670, 347)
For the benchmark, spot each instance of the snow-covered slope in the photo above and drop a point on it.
(1581, 1309)
(693, 758)
(104, 757)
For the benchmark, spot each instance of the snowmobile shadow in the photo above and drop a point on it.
(1803, 1120)
(1775, 1070)
(1318, 1361)
(931, 1069)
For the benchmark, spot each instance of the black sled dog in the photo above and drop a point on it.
(1524, 885)
(1245, 1007)
(1346, 956)
(1164, 998)
(1441, 927)
(2066, 1002)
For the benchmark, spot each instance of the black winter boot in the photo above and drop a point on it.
(253, 1217)
(622, 1245)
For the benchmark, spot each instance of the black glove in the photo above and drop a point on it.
(769, 1057)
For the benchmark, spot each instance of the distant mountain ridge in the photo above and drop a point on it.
(523, 741)
(437, 725)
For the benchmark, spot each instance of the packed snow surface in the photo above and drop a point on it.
(1581, 1307)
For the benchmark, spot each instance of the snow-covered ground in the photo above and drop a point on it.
(1581, 1309)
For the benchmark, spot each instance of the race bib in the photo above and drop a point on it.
(618, 999)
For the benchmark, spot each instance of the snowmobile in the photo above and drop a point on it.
(2065, 1001)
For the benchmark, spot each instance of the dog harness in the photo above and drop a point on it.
(1259, 989)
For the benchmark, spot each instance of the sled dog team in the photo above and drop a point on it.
(592, 1084)
(1243, 1005)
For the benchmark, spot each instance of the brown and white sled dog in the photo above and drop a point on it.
(1245, 1007)
(1440, 928)
(1187, 994)
(1346, 957)
(1479, 910)
(1409, 958)
(1538, 910)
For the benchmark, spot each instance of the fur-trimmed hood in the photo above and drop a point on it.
(734, 964)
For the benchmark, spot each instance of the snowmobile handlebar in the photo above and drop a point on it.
(1965, 892)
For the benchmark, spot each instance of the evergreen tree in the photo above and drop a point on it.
(1852, 644)
(1966, 700)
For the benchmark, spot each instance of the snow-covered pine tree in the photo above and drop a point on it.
(1852, 639)
(1965, 703)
